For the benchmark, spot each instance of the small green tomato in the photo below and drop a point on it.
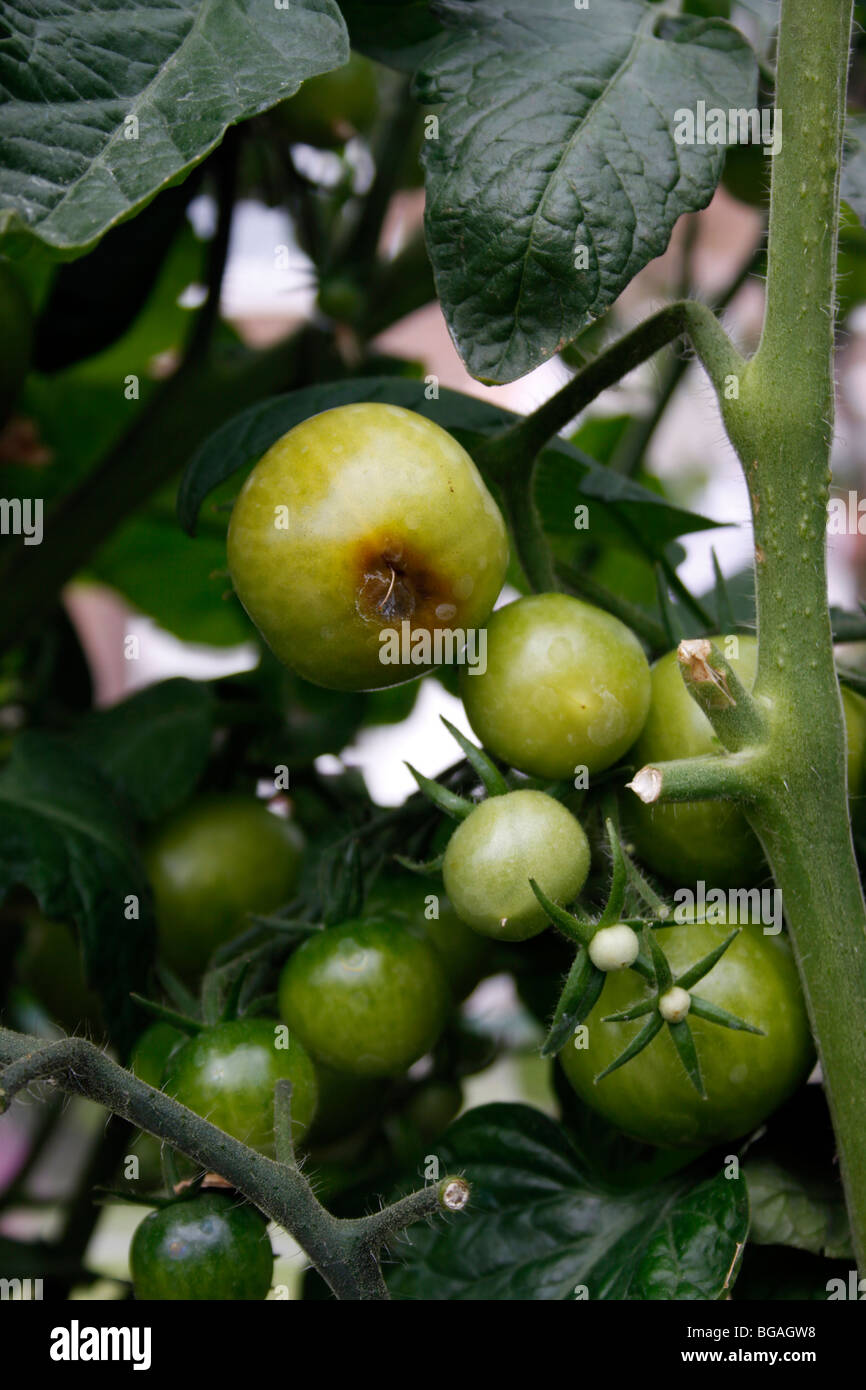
(566, 686)
(502, 844)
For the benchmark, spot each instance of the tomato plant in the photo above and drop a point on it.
(262, 524)
(710, 840)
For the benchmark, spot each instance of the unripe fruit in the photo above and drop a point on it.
(212, 1246)
(502, 844)
(364, 545)
(210, 864)
(567, 686)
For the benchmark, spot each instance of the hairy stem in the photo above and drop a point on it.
(344, 1252)
(522, 441)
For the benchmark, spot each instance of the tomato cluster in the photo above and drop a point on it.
(565, 703)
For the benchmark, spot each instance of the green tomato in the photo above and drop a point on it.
(711, 840)
(330, 108)
(367, 998)
(16, 335)
(212, 1246)
(746, 1076)
(366, 522)
(152, 1051)
(503, 843)
(212, 863)
(411, 898)
(566, 686)
(228, 1074)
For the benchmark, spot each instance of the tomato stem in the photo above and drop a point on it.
(345, 1252)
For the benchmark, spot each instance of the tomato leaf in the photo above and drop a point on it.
(154, 745)
(790, 1210)
(556, 175)
(540, 1228)
(65, 836)
(105, 108)
(400, 33)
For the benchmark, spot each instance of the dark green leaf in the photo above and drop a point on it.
(341, 883)
(64, 836)
(558, 134)
(539, 1228)
(154, 746)
(75, 76)
(94, 300)
(401, 33)
(620, 510)
(185, 588)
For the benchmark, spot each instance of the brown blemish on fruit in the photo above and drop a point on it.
(395, 583)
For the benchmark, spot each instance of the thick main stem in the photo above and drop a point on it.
(782, 428)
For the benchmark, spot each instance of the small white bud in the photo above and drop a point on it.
(614, 948)
(674, 1004)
